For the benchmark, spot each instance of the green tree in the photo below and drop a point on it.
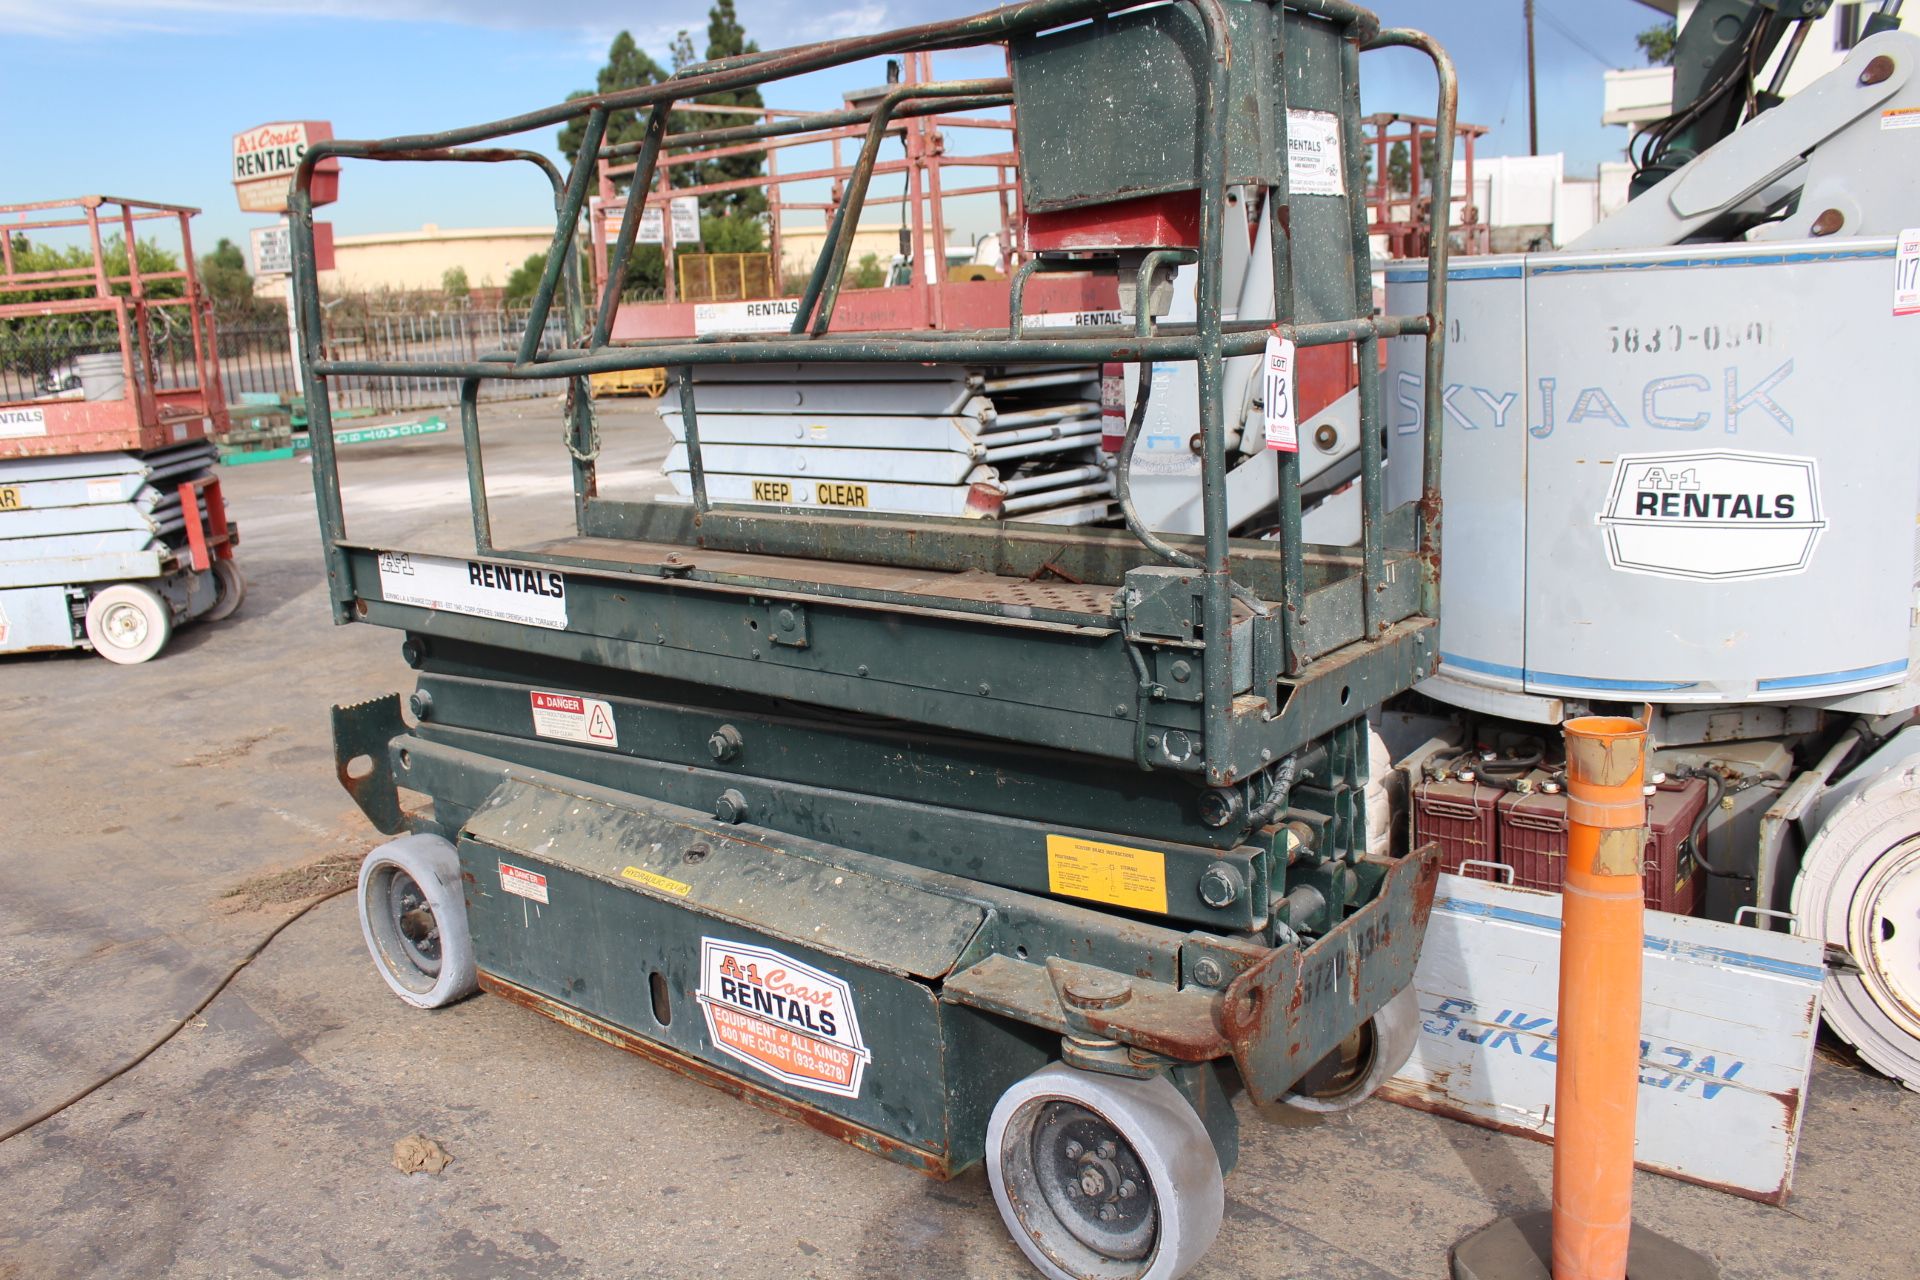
(868, 275)
(681, 53)
(726, 38)
(525, 280)
(31, 257)
(453, 281)
(628, 67)
(224, 278)
(730, 234)
(1399, 167)
(1657, 43)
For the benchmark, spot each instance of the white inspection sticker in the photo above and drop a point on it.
(1313, 154)
(18, 423)
(1283, 428)
(524, 883)
(508, 592)
(576, 719)
(1906, 274)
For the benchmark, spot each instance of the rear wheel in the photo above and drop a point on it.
(128, 622)
(1859, 888)
(231, 589)
(413, 916)
(1366, 1060)
(1102, 1177)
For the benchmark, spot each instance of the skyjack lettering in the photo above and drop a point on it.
(1675, 402)
(1664, 1066)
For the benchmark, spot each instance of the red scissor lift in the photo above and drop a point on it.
(113, 528)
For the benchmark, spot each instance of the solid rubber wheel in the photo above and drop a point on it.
(1859, 888)
(413, 916)
(1367, 1059)
(231, 589)
(128, 622)
(1101, 1177)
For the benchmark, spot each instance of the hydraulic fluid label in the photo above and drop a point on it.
(781, 1016)
(573, 718)
(508, 592)
(1719, 515)
(1110, 873)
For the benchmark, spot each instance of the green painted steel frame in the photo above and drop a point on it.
(1207, 342)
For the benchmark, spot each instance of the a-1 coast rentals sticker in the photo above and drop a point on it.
(507, 592)
(782, 1016)
(1719, 515)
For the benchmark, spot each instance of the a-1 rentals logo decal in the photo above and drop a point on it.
(1718, 515)
(782, 1016)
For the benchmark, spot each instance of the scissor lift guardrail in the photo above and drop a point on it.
(1069, 700)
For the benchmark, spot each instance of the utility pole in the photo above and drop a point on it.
(1533, 97)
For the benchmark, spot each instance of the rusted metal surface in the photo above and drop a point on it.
(1286, 1014)
(1152, 1016)
(933, 1164)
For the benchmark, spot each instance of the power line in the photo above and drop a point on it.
(1574, 39)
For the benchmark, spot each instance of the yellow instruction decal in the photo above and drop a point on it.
(654, 880)
(1110, 873)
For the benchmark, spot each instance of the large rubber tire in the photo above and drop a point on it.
(1045, 1155)
(413, 916)
(1354, 1072)
(231, 589)
(128, 622)
(1859, 888)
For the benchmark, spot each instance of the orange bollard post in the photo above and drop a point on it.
(1598, 1080)
(1589, 1233)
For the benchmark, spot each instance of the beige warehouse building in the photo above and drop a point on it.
(413, 260)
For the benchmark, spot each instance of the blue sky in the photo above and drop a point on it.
(141, 97)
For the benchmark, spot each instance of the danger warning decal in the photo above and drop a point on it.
(784, 1017)
(576, 719)
(508, 592)
(527, 884)
(1719, 515)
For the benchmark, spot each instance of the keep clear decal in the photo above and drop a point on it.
(507, 592)
(1719, 515)
(782, 1016)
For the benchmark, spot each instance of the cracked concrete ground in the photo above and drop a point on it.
(258, 1142)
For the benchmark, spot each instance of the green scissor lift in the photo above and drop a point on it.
(955, 839)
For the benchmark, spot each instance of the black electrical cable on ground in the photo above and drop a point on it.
(178, 1025)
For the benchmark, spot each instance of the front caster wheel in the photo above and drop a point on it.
(414, 918)
(1366, 1060)
(1104, 1178)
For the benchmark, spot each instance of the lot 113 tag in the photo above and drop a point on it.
(1283, 432)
